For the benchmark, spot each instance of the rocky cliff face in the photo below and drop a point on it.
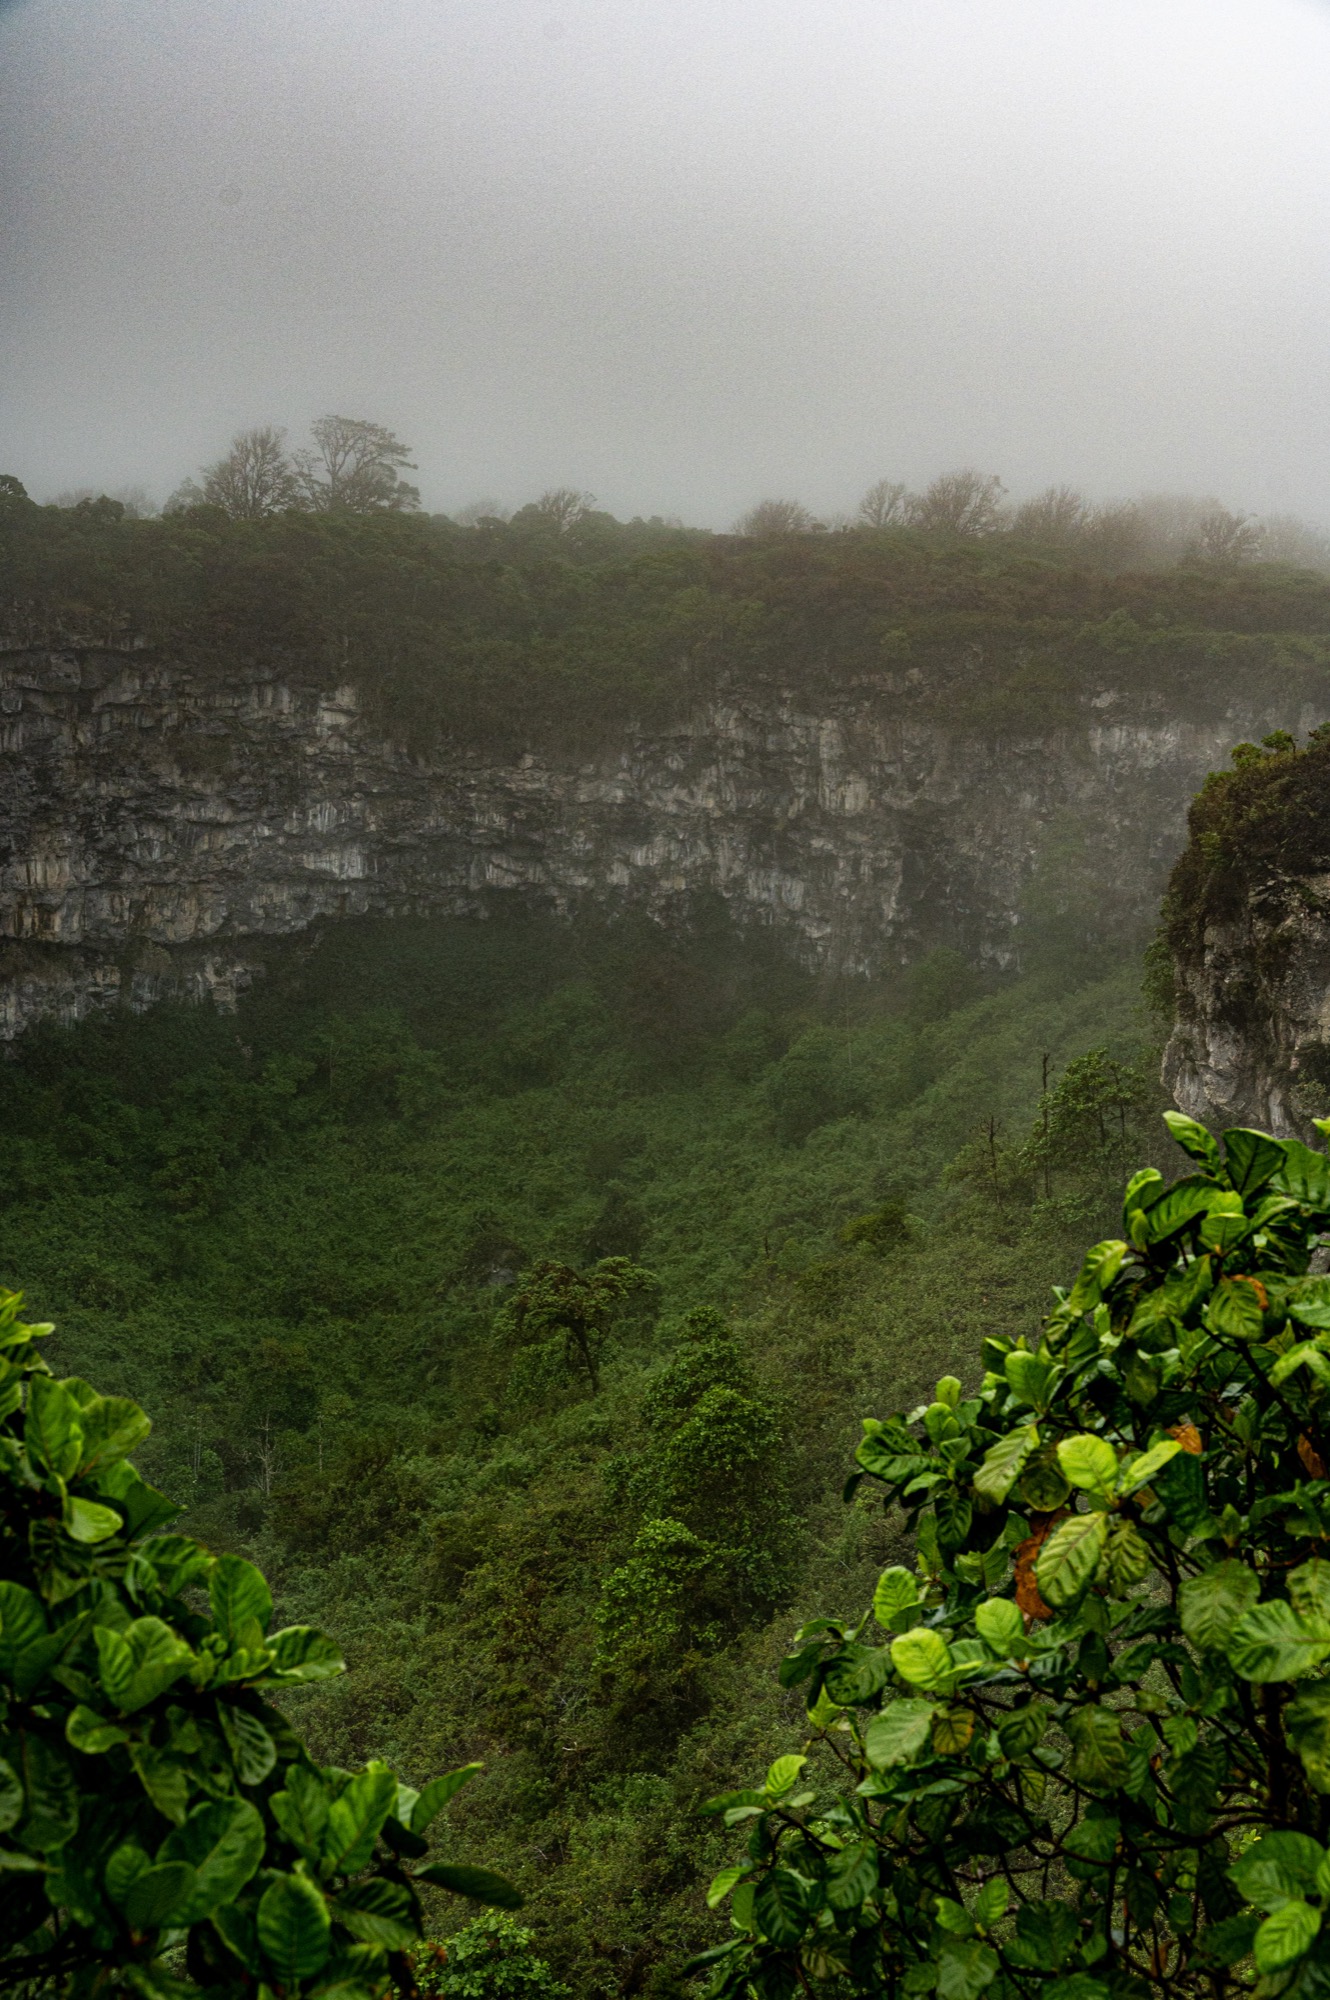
(159, 829)
(1249, 922)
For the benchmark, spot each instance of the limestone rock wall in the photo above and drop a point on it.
(158, 827)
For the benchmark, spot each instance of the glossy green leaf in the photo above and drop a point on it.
(1286, 1935)
(897, 1590)
(1001, 1626)
(89, 1521)
(1069, 1560)
(377, 1912)
(922, 1657)
(1090, 1463)
(240, 1599)
(1251, 1158)
(354, 1820)
(437, 1793)
(1276, 1867)
(782, 1775)
(852, 1876)
(479, 1884)
(299, 1653)
(1271, 1643)
(780, 1907)
(898, 1733)
(1099, 1755)
(223, 1844)
(158, 1895)
(51, 1430)
(1210, 1605)
(112, 1426)
(1146, 1465)
(1003, 1462)
(252, 1749)
(294, 1928)
(1193, 1139)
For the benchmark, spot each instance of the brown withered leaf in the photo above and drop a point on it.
(1187, 1436)
(1027, 1554)
(1311, 1458)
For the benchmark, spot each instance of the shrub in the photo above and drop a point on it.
(491, 1959)
(1083, 1750)
(162, 1827)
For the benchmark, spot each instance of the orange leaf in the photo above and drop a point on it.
(1187, 1436)
(1311, 1458)
(1027, 1552)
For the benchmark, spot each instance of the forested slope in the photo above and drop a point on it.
(301, 1235)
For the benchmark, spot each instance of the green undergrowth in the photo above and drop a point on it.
(298, 1234)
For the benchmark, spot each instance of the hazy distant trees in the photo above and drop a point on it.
(960, 503)
(135, 502)
(355, 468)
(255, 478)
(1058, 514)
(885, 505)
(563, 508)
(1227, 538)
(477, 511)
(775, 517)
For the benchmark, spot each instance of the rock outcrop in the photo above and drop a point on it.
(159, 828)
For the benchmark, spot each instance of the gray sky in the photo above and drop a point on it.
(683, 253)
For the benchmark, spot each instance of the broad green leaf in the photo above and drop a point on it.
(299, 1653)
(1031, 1376)
(1003, 1462)
(1309, 1592)
(852, 1876)
(378, 1912)
(140, 1663)
(858, 1673)
(51, 1790)
(966, 1968)
(1210, 1605)
(1286, 1935)
(1271, 1643)
(1090, 1463)
(1235, 1310)
(223, 1844)
(479, 1884)
(722, 1884)
(253, 1751)
(922, 1657)
(1304, 1176)
(89, 1521)
(1045, 1934)
(896, 1591)
(240, 1599)
(1193, 1139)
(1307, 1727)
(1101, 1266)
(1139, 1471)
(157, 1895)
(1019, 1731)
(780, 1907)
(781, 1776)
(165, 1780)
(354, 1820)
(27, 1646)
(1069, 1559)
(123, 1868)
(437, 1794)
(112, 1427)
(952, 1729)
(954, 1917)
(92, 1733)
(991, 1903)
(294, 1928)
(52, 1431)
(1251, 1158)
(898, 1733)
(301, 1810)
(1278, 1866)
(1183, 1202)
(1308, 1354)
(1094, 1839)
(1001, 1626)
(1099, 1755)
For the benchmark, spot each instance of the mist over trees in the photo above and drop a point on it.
(355, 466)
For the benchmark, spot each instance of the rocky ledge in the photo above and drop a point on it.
(159, 827)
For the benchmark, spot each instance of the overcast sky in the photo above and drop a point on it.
(682, 253)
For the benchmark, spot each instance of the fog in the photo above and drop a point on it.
(680, 253)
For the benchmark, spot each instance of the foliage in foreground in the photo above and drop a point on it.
(1086, 1751)
(158, 1814)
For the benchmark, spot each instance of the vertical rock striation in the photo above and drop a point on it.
(158, 828)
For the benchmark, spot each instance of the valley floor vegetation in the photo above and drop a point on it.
(510, 1293)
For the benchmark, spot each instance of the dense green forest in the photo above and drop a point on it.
(311, 1237)
(532, 628)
